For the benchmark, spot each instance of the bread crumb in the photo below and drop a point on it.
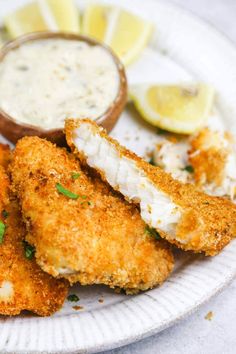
(78, 307)
(209, 316)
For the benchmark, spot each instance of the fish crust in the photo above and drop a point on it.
(97, 238)
(23, 285)
(206, 223)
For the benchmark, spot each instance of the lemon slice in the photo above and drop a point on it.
(95, 21)
(179, 109)
(62, 15)
(43, 15)
(125, 33)
(24, 20)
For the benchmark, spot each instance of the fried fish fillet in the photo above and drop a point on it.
(5, 155)
(184, 216)
(213, 157)
(206, 159)
(82, 230)
(23, 285)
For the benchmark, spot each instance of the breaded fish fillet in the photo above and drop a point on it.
(213, 157)
(206, 159)
(184, 216)
(23, 285)
(81, 229)
(5, 155)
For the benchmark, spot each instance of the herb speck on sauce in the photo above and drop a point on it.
(22, 68)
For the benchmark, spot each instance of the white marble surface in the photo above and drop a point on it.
(195, 334)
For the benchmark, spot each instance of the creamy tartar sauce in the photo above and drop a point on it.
(45, 81)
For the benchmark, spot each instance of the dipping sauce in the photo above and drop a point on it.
(42, 82)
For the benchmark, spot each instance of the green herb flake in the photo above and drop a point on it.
(2, 231)
(29, 250)
(189, 169)
(151, 161)
(65, 192)
(73, 298)
(161, 131)
(5, 214)
(75, 175)
(152, 232)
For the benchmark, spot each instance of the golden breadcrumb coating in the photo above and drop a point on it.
(207, 159)
(5, 155)
(206, 224)
(23, 285)
(97, 238)
(208, 156)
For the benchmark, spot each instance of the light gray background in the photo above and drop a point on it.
(196, 334)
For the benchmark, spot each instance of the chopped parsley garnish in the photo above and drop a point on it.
(5, 214)
(188, 168)
(75, 175)
(73, 298)
(152, 232)
(29, 250)
(151, 161)
(161, 131)
(67, 193)
(2, 231)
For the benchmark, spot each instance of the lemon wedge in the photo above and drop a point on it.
(24, 20)
(62, 15)
(126, 33)
(95, 21)
(43, 15)
(179, 109)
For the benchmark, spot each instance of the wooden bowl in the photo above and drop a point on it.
(13, 130)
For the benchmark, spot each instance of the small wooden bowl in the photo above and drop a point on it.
(13, 130)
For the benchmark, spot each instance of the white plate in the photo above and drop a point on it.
(184, 48)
